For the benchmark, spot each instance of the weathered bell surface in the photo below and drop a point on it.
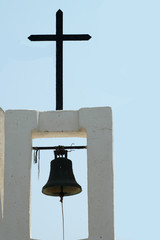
(61, 180)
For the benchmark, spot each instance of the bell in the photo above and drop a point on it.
(61, 180)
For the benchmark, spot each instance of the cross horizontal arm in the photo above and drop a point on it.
(76, 37)
(49, 37)
(64, 37)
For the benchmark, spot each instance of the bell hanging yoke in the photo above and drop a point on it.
(61, 180)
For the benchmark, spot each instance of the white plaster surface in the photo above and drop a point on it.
(1, 161)
(23, 125)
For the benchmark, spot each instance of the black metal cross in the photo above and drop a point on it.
(59, 37)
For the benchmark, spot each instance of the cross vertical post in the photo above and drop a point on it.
(59, 61)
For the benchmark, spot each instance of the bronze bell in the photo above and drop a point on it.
(61, 180)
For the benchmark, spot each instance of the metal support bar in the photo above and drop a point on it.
(58, 147)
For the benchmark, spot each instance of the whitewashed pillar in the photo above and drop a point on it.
(18, 148)
(98, 125)
(2, 140)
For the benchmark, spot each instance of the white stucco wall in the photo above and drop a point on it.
(23, 125)
(1, 161)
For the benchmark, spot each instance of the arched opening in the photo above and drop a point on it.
(46, 215)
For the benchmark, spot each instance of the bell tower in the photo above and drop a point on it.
(19, 127)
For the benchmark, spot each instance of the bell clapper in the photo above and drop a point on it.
(61, 194)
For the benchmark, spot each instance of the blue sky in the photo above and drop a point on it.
(118, 67)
